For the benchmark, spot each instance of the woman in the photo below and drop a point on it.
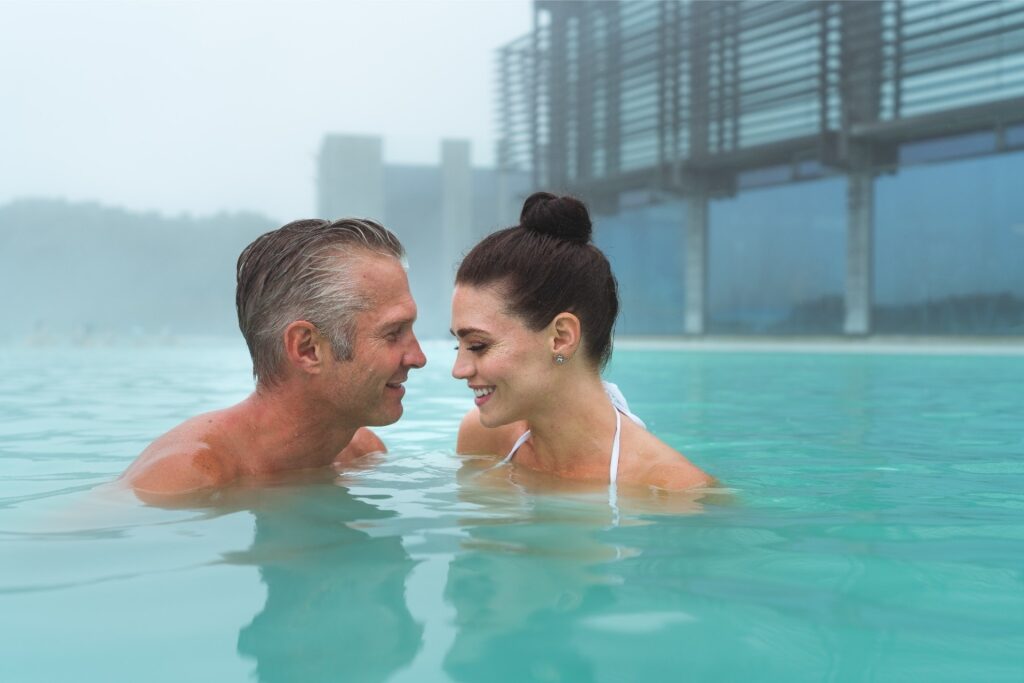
(533, 311)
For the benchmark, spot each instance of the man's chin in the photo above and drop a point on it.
(388, 417)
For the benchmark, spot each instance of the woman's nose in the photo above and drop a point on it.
(462, 369)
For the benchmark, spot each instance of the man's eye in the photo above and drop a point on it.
(476, 348)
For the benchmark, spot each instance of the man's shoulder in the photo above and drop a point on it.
(192, 456)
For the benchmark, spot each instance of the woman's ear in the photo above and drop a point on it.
(304, 346)
(565, 335)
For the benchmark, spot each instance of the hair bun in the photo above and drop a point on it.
(563, 217)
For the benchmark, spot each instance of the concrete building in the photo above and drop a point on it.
(708, 106)
(438, 212)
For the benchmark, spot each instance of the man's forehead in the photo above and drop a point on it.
(360, 259)
(379, 320)
(386, 288)
(402, 309)
(369, 272)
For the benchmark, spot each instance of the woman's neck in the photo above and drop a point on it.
(573, 436)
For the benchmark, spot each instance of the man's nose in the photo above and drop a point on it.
(415, 358)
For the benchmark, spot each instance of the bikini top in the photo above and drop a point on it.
(621, 407)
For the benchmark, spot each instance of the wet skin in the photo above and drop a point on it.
(315, 415)
(517, 387)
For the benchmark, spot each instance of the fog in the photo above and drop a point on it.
(143, 143)
(203, 107)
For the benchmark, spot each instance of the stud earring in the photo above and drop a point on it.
(559, 359)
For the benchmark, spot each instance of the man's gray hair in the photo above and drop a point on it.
(303, 271)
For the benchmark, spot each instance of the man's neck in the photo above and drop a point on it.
(287, 430)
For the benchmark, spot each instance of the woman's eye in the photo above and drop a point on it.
(476, 348)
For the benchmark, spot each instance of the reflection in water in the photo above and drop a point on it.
(335, 606)
(536, 576)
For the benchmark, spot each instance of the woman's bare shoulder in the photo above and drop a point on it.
(476, 439)
(666, 468)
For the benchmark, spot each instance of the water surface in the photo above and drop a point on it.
(875, 531)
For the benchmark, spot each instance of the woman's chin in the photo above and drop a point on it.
(489, 423)
(491, 419)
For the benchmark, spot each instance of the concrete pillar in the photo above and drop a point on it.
(503, 207)
(350, 179)
(456, 206)
(695, 313)
(860, 225)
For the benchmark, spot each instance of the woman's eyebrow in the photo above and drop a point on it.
(463, 331)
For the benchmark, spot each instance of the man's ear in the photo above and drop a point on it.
(565, 331)
(304, 346)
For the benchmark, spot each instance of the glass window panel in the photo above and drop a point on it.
(777, 260)
(949, 248)
(646, 247)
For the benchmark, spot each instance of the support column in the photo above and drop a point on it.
(860, 84)
(695, 313)
(350, 177)
(456, 206)
(860, 228)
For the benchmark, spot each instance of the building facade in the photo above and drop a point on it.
(438, 212)
(811, 167)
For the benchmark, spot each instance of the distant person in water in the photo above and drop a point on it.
(533, 312)
(326, 312)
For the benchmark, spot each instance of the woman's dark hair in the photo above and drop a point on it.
(546, 265)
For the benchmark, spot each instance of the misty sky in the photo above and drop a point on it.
(207, 106)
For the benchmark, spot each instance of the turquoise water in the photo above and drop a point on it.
(874, 532)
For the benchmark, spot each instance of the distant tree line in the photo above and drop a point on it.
(83, 272)
(83, 269)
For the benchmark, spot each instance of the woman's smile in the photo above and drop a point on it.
(482, 394)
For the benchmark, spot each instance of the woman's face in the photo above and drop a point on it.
(507, 365)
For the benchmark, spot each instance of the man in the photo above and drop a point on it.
(326, 312)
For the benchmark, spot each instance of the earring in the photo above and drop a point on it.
(560, 359)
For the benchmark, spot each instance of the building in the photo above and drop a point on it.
(438, 212)
(790, 167)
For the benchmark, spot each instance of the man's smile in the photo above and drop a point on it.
(397, 386)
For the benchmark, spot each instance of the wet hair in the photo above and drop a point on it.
(547, 265)
(303, 271)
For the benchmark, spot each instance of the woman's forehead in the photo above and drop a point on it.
(481, 309)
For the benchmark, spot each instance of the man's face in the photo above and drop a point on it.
(384, 347)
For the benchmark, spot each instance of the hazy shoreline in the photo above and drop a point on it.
(879, 344)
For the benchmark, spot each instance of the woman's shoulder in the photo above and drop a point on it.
(476, 439)
(663, 467)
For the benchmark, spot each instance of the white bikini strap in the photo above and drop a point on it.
(519, 442)
(619, 401)
(613, 490)
(613, 472)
